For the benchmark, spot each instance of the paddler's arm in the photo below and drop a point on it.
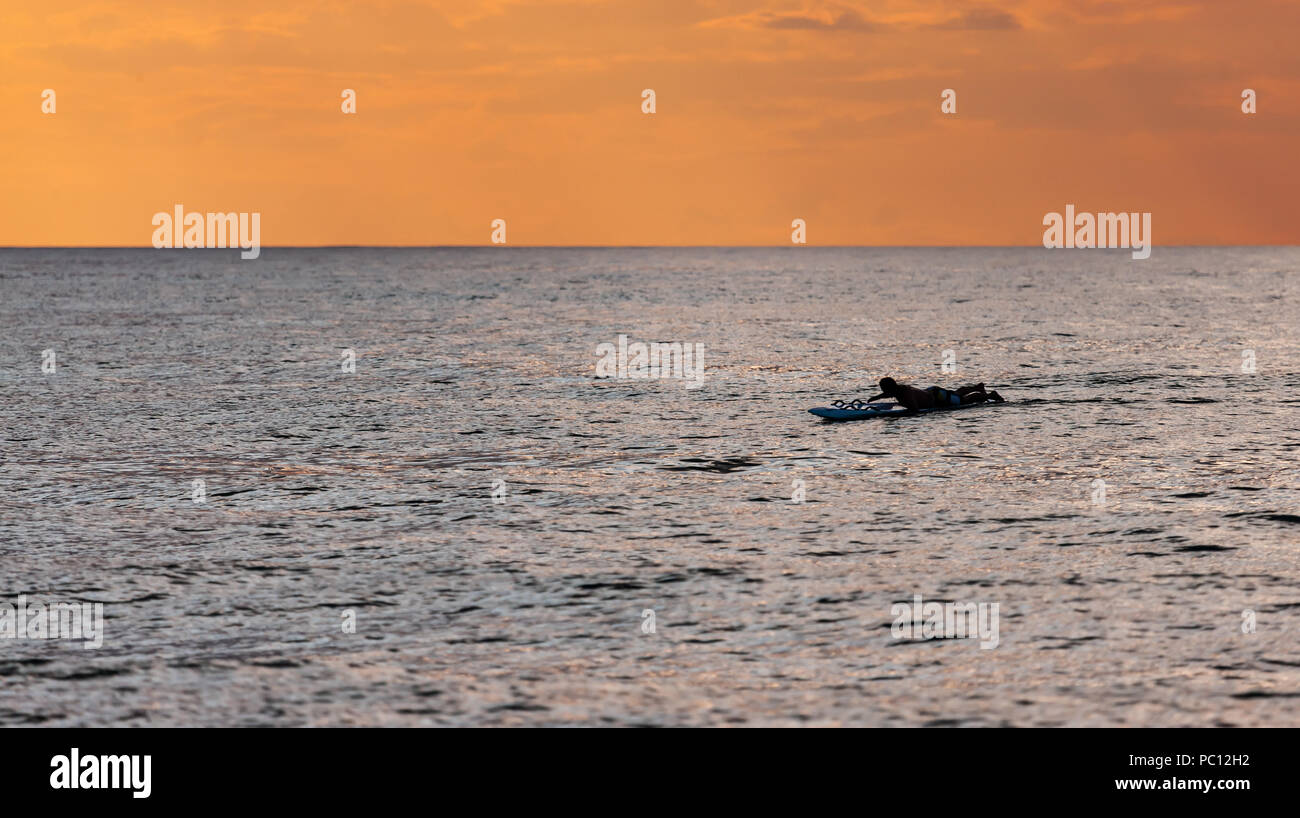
(877, 397)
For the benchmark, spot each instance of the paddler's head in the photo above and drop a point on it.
(888, 386)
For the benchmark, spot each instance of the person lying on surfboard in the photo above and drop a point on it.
(935, 397)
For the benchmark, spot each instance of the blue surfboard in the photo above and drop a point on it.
(863, 411)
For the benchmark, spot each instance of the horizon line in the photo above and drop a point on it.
(606, 247)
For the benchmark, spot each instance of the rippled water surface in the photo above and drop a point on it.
(331, 495)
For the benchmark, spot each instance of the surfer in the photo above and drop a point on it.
(935, 397)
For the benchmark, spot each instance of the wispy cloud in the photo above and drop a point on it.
(844, 21)
(982, 19)
(832, 18)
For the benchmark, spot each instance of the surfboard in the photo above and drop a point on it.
(863, 411)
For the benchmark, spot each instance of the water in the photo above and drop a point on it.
(330, 495)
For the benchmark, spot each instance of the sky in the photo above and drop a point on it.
(765, 112)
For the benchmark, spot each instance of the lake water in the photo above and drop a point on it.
(495, 521)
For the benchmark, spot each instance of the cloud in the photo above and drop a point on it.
(1127, 13)
(835, 19)
(839, 18)
(986, 19)
(844, 21)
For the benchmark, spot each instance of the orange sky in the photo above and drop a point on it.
(767, 111)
